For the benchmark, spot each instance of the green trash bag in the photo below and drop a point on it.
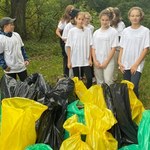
(143, 134)
(73, 108)
(38, 147)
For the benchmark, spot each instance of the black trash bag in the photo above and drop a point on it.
(50, 126)
(34, 87)
(115, 130)
(125, 131)
(7, 86)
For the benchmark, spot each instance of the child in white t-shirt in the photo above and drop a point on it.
(13, 57)
(87, 21)
(134, 43)
(105, 41)
(119, 25)
(78, 45)
(59, 31)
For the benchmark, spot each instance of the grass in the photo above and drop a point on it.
(46, 59)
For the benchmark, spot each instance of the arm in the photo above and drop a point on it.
(96, 63)
(69, 57)
(138, 61)
(90, 56)
(24, 54)
(58, 32)
(121, 67)
(3, 63)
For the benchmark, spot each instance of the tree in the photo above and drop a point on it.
(18, 11)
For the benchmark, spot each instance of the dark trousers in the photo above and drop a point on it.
(77, 71)
(65, 58)
(135, 78)
(22, 75)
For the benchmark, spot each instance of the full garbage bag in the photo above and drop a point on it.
(118, 101)
(18, 122)
(39, 146)
(74, 142)
(34, 87)
(50, 126)
(143, 134)
(128, 127)
(136, 105)
(98, 118)
(72, 109)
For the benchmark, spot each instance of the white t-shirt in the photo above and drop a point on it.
(133, 41)
(90, 27)
(11, 47)
(120, 27)
(67, 29)
(103, 41)
(62, 24)
(80, 41)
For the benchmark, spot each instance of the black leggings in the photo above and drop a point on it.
(77, 71)
(22, 75)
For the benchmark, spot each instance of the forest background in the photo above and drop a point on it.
(37, 21)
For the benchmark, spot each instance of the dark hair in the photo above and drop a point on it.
(117, 18)
(66, 15)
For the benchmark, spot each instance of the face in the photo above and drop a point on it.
(105, 21)
(87, 20)
(80, 20)
(9, 27)
(135, 17)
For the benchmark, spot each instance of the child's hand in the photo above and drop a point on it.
(121, 67)
(90, 62)
(7, 69)
(104, 65)
(133, 69)
(26, 63)
(97, 64)
(69, 65)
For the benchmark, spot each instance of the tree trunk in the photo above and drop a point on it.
(18, 11)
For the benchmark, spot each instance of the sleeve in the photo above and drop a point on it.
(121, 26)
(2, 60)
(147, 39)
(114, 39)
(24, 54)
(61, 25)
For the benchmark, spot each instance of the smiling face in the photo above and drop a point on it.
(105, 21)
(135, 17)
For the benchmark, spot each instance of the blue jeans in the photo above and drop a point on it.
(134, 79)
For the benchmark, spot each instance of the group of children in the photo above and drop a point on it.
(84, 49)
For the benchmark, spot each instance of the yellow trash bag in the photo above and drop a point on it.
(92, 95)
(18, 122)
(98, 118)
(99, 121)
(136, 105)
(75, 129)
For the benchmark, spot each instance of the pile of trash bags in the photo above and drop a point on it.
(69, 116)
